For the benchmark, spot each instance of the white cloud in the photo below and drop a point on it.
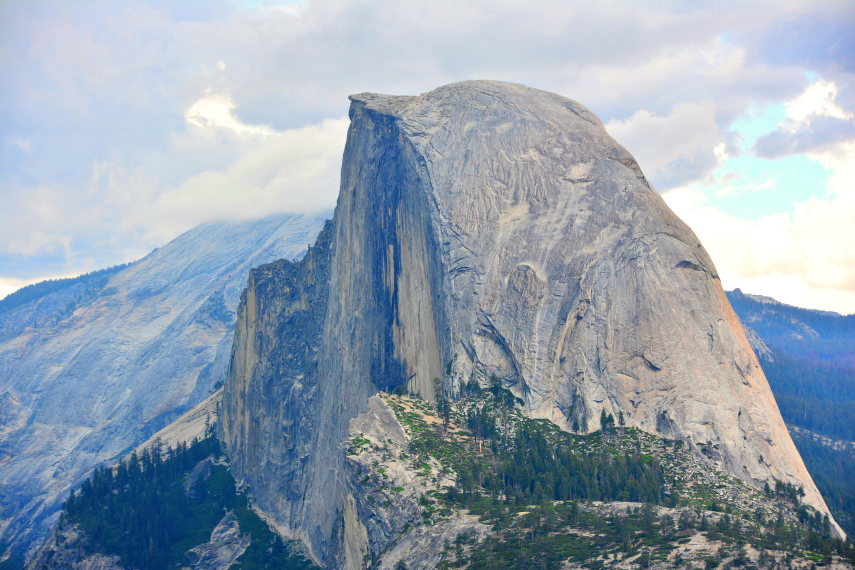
(143, 118)
(802, 258)
(221, 168)
(682, 146)
(815, 121)
(216, 112)
(296, 170)
(818, 100)
(36, 242)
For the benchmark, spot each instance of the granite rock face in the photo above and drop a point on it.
(90, 371)
(488, 231)
(273, 420)
(383, 510)
(227, 544)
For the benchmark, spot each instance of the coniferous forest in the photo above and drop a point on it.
(534, 484)
(156, 506)
(811, 369)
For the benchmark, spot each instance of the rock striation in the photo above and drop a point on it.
(89, 371)
(488, 231)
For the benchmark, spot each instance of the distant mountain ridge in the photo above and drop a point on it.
(823, 336)
(35, 291)
(92, 366)
(809, 358)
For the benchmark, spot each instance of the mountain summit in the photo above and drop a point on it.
(488, 232)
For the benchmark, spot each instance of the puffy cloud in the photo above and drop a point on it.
(216, 112)
(296, 170)
(674, 149)
(226, 169)
(814, 121)
(803, 258)
(818, 100)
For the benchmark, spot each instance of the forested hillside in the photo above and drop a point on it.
(166, 509)
(616, 497)
(811, 368)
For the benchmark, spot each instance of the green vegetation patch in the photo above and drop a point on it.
(154, 507)
(540, 490)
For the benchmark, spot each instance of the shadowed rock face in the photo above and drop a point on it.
(488, 230)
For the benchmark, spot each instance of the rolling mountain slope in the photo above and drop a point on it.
(93, 366)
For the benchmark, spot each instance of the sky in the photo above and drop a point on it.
(123, 124)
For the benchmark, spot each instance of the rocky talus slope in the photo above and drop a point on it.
(91, 370)
(488, 230)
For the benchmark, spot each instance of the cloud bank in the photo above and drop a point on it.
(124, 124)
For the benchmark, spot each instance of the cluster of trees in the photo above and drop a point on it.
(140, 510)
(538, 538)
(541, 467)
(835, 419)
(789, 491)
(501, 396)
(821, 398)
(524, 470)
(530, 462)
(530, 467)
(154, 507)
(815, 395)
(833, 471)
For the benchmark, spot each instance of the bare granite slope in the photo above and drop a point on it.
(91, 371)
(489, 230)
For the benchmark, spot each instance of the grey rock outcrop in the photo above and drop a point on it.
(760, 347)
(227, 544)
(193, 424)
(384, 513)
(488, 230)
(90, 371)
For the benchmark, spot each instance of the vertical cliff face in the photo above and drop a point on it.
(361, 312)
(269, 416)
(488, 230)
